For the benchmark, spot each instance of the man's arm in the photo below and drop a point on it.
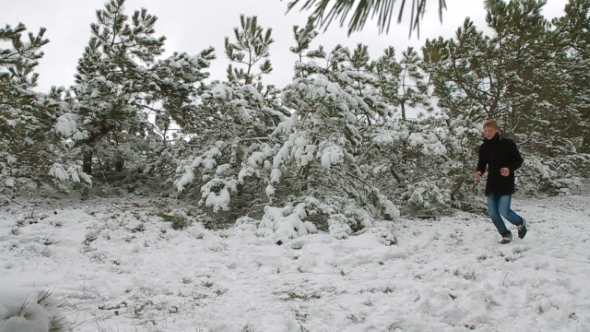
(481, 162)
(516, 159)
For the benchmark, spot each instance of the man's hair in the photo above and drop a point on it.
(491, 123)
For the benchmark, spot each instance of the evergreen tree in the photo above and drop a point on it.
(251, 46)
(572, 33)
(229, 143)
(316, 168)
(31, 146)
(129, 99)
(513, 76)
(403, 83)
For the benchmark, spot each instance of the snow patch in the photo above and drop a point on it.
(30, 310)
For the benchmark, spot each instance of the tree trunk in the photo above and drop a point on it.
(87, 162)
(586, 144)
(403, 106)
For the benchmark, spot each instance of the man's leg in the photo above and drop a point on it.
(494, 213)
(506, 212)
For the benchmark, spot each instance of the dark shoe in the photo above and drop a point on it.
(506, 238)
(522, 229)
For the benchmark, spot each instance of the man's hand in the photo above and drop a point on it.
(505, 171)
(477, 176)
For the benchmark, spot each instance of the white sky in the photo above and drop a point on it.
(191, 26)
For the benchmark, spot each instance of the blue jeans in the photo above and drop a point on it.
(498, 207)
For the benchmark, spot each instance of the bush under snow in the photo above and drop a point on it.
(29, 310)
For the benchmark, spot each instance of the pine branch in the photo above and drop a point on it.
(382, 8)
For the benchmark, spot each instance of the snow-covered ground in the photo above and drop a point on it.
(115, 265)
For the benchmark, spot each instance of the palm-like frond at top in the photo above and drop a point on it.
(327, 10)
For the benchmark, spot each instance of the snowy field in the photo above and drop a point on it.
(117, 265)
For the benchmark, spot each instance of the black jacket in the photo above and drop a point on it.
(497, 153)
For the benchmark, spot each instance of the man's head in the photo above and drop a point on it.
(490, 128)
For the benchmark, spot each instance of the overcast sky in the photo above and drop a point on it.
(191, 26)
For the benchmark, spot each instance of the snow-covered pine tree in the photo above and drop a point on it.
(128, 97)
(410, 159)
(572, 35)
(316, 169)
(404, 157)
(464, 72)
(550, 115)
(389, 74)
(403, 84)
(406, 154)
(32, 150)
(509, 76)
(230, 149)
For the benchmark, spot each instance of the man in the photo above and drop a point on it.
(502, 158)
